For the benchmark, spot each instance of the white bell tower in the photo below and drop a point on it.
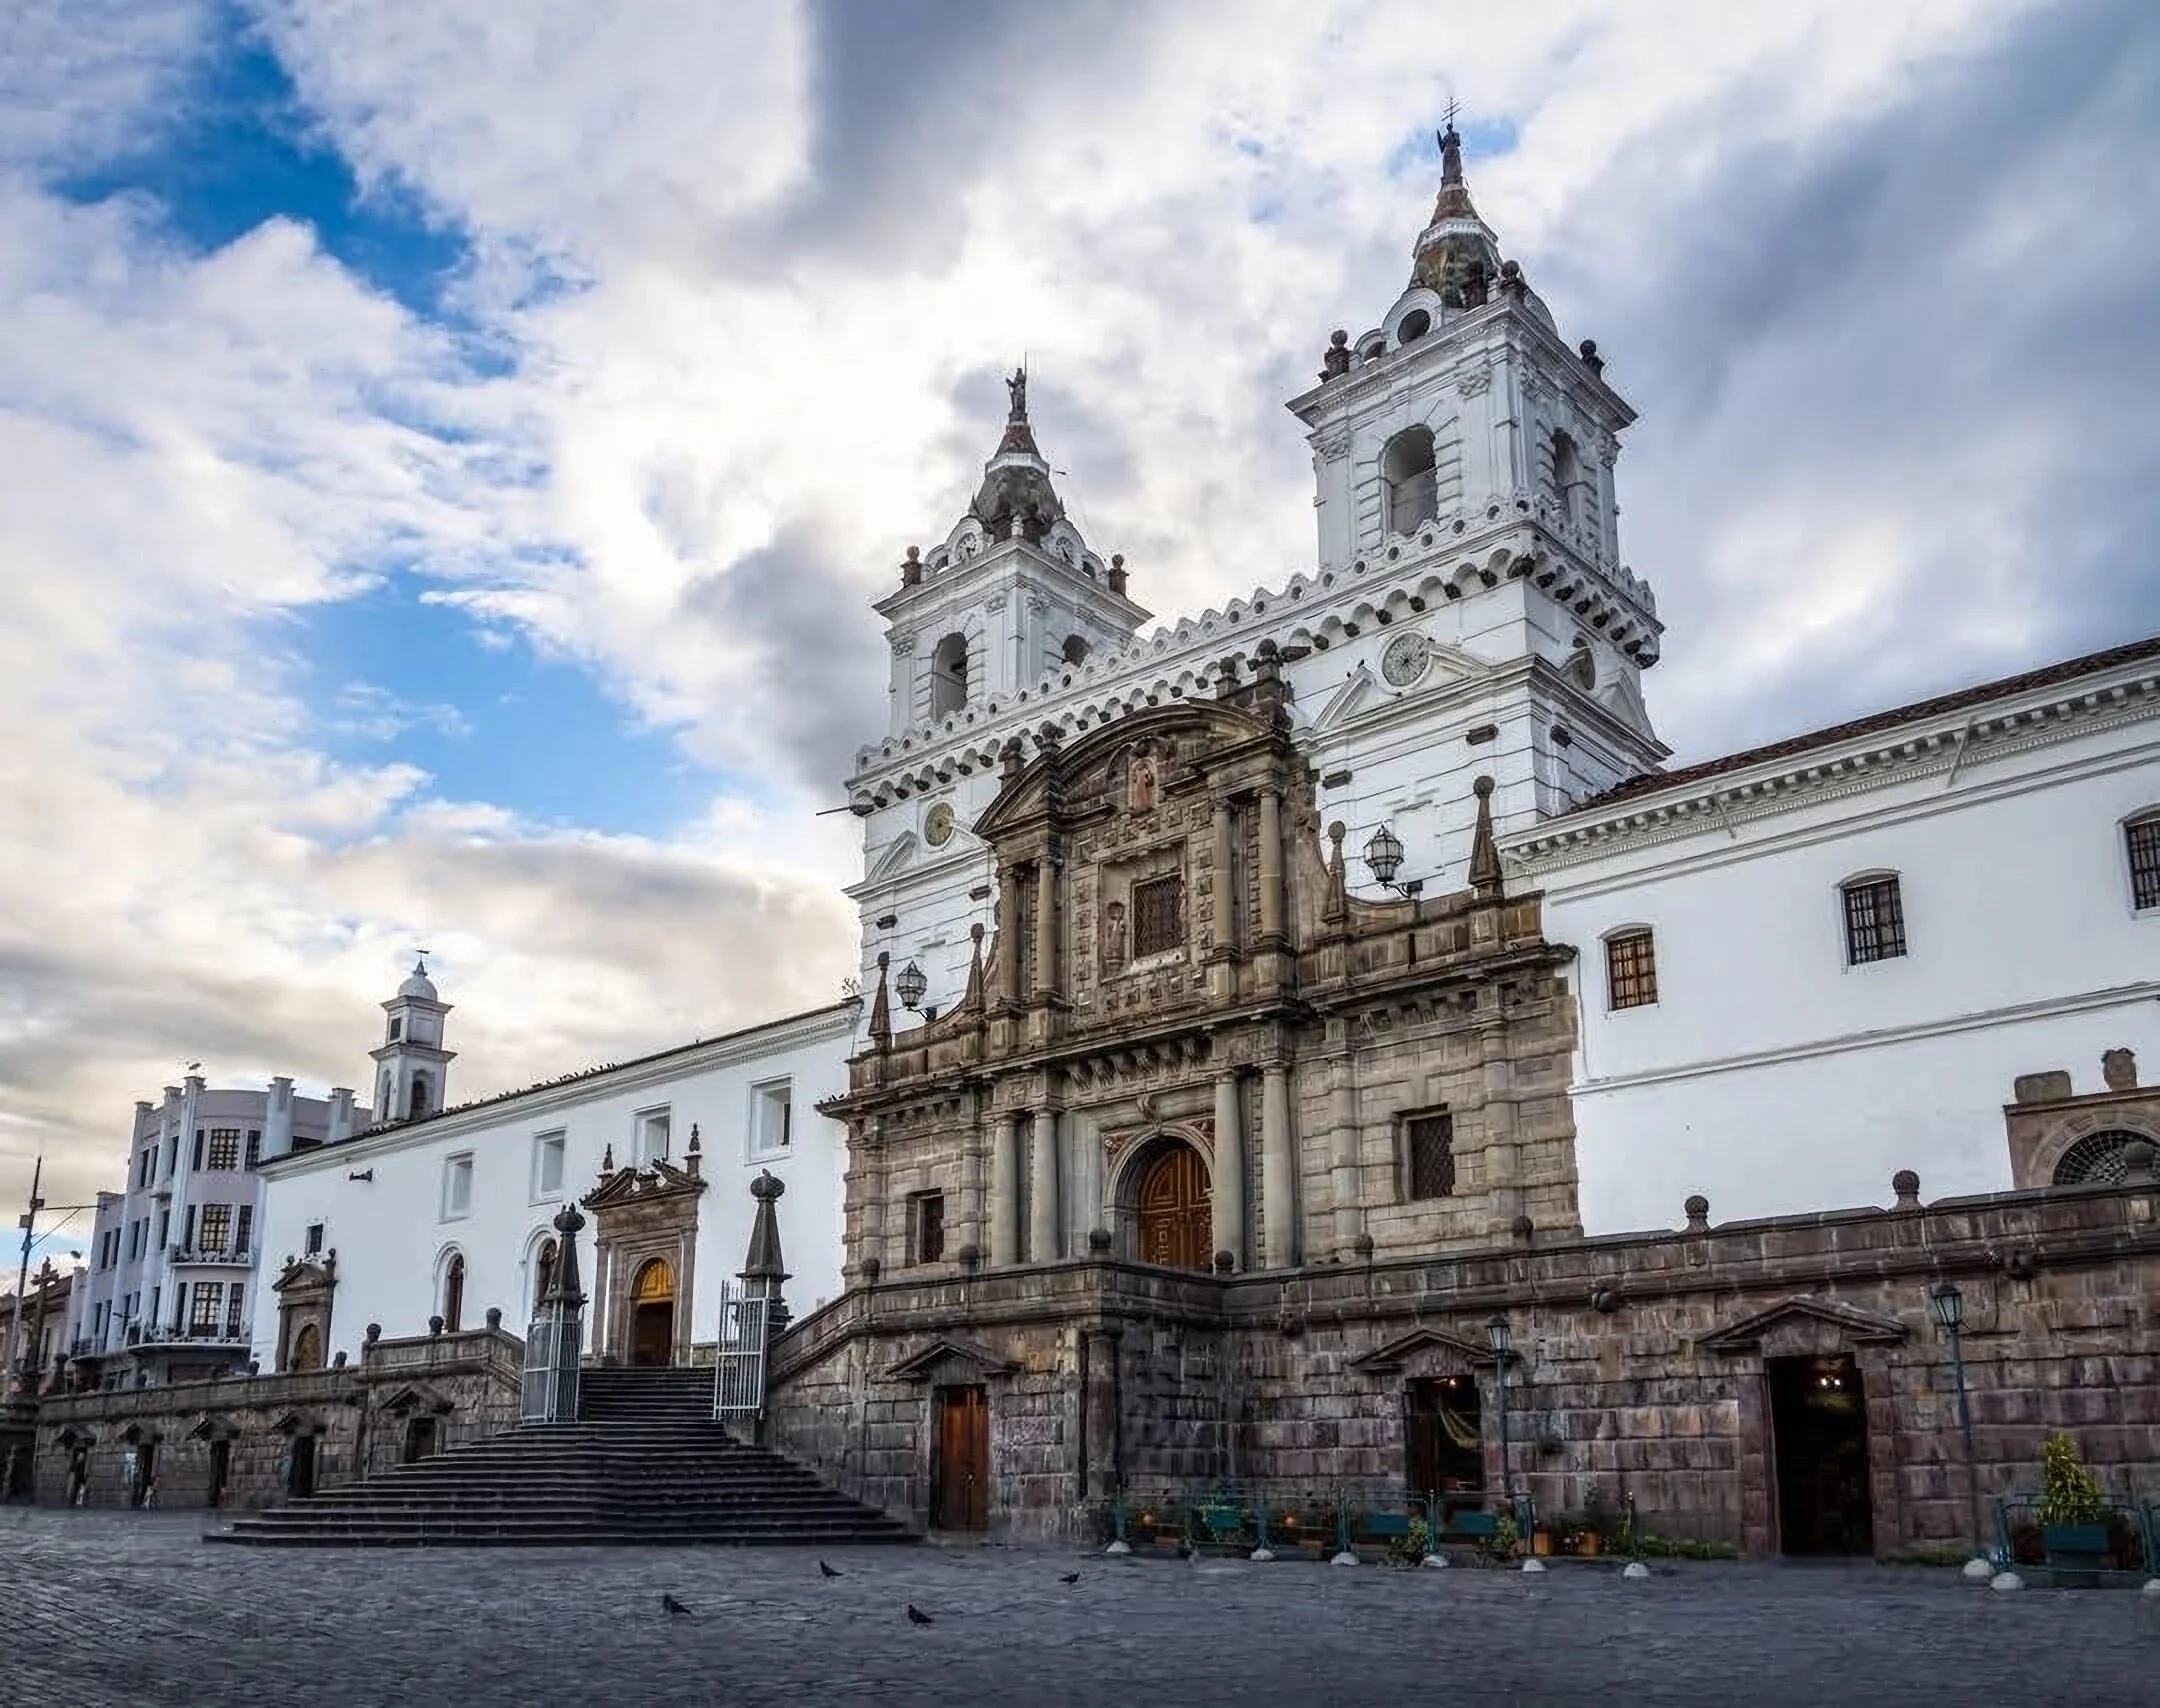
(1011, 595)
(1463, 431)
(412, 1069)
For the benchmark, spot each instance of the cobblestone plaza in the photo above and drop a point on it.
(126, 1610)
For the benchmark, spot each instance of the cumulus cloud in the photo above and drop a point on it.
(737, 286)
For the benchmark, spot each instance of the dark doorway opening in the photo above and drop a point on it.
(1818, 1420)
(652, 1313)
(220, 1472)
(960, 1496)
(144, 1491)
(1443, 1441)
(419, 1439)
(300, 1467)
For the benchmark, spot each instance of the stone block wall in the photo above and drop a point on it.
(1639, 1367)
(356, 1415)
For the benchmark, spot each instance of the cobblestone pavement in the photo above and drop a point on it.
(134, 1611)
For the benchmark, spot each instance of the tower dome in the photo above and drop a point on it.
(1457, 256)
(418, 984)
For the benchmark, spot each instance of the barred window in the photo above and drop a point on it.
(216, 1226)
(1874, 920)
(1429, 1153)
(254, 1147)
(926, 1227)
(2098, 1159)
(232, 1311)
(224, 1148)
(1158, 916)
(244, 1230)
(1631, 969)
(206, 1299)
(2142, 837)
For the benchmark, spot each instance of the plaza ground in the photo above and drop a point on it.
(133, 1610)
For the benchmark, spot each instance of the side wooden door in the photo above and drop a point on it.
(963, 1459)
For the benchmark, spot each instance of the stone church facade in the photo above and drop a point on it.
(1214, 1121)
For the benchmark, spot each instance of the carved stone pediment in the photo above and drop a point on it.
(955, 1357)
(301, 1274)
(647, 1185)
(1436, 1348)
(416, 1397)
(211, 1427)
(1805, 1325)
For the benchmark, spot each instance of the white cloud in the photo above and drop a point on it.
(754, 279)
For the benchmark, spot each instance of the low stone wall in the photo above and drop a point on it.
(1640, 1366)
(347, 1421)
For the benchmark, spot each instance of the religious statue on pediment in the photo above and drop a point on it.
(1140, 785)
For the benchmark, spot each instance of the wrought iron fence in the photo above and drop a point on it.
(739, 1355)
(1318, 1518)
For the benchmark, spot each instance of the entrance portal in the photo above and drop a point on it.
(1818, 1423)
(960, 1497)
(220, 1471)
(1443, 1441)
(652, 1313)
(419, 1439)
(1177, 1218)
(300, 1467)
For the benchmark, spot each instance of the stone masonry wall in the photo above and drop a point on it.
(1639, 1369)
(356, 1414)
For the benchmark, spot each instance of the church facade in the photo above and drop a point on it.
(1244, 993)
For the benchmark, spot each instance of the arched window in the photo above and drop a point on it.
(2098, 1159)
(1631, 967)
(949, 675)
(1413, 490)
(543, 1272)
(1874, 918)
(1076, 650)
(453, 1291)
(418, 1103)
(1567, 478)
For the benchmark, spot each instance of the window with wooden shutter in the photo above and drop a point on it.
(1631, 969)
(1874, 920)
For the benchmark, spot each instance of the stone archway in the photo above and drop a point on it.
(642, 1216)
(1166, 1204)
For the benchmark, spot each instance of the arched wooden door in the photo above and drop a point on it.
(652, 1313)
(307, 1348)
(1177, 1217)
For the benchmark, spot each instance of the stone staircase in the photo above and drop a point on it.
(645, 1463)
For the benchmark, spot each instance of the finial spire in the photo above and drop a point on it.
(1016, 390)
(1450, 148)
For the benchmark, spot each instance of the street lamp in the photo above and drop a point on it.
(1384, 855)
(1496, 1336)
(1948, 1305)
(910, 983)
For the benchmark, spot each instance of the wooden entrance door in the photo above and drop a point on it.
(961, 1497)
(652, 1313)
(1177, 1216)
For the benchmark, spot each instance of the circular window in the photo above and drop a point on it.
(1414, 326)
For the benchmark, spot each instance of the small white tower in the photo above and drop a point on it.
(412, 1069)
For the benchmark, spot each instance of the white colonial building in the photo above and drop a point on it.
(1811, 964)
(444, 1212)
(172, 1267)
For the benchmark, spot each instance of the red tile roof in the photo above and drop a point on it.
(1878, 723)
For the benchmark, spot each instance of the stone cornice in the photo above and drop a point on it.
(1984, 735)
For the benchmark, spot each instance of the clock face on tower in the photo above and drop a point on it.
(1405, 659)
(938, 827)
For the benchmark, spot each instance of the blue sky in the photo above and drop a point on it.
(453, 448)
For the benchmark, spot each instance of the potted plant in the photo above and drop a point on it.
(2072, 1512)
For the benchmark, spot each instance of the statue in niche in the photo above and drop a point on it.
(1140, 785)
(1113, 935)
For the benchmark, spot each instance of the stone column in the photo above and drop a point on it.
(1229, 1187)
(1043, 1190)
(1005, 1191)
(1271, 865)
(1099, 1444)
(1008, 948)
(1046, 933)
(1343, 1155)
(1278, 1168)
(1224, 935)
(870, 1228)
(1503, 1149)
(974, 1190)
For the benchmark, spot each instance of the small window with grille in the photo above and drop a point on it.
(1158, 916)
(2141, 838)
(1631, 969)
(1429, 1153)
(1874, 920)
(926, 1227)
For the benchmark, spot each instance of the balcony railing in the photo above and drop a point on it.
(239, 1258)
(172, 1334)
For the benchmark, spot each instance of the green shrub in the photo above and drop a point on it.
(2069, 1493)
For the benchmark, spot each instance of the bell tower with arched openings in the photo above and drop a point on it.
(1463, 431)
(412, 1068)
